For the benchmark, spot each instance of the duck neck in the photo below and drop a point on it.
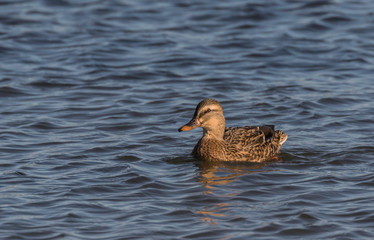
(212, 135)
(214, 132)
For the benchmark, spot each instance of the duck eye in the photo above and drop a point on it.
(205, 112)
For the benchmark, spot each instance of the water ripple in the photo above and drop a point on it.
(92, 94)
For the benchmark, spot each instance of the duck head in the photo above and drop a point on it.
(209, 116)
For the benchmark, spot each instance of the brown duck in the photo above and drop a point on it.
(220, 143)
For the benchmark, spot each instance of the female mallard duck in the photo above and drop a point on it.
(220, 143)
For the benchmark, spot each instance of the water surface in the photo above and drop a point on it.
(92, 94)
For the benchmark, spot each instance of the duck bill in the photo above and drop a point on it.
(194, 123)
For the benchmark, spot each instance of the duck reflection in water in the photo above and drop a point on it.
(229, 153)
(215, 174)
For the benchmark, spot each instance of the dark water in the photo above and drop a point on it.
(92, 94)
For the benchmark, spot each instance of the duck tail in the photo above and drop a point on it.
(280, 137)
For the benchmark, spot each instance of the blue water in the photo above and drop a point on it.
(92, 94)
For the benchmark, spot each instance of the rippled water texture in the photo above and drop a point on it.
(92, 94)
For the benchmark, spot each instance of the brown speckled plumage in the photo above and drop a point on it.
(220, 143)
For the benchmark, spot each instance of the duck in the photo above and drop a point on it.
(221, 143)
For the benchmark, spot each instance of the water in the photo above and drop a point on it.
(92, 94)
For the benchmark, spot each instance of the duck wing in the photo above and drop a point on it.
(249, 135)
